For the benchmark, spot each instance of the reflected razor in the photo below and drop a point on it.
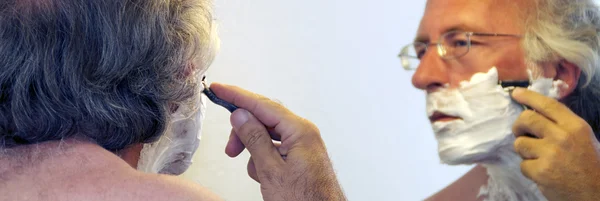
(510, 86)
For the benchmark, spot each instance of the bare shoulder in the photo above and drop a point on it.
(132, 185)
(465, 188)
(87, 172)
(123, 183)
(128, 184)
(166, 187)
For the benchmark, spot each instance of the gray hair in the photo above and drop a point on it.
(109, 71)
(568, 29)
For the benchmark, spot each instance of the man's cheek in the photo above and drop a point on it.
(173, 152)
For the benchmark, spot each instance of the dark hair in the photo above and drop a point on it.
(104, 70)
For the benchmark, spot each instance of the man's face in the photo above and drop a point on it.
(471, 123)
(490, 16)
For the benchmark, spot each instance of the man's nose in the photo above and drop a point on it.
(431, 73)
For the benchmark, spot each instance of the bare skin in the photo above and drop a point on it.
(131, 154)
(500, 16)
(564, 159)
(296, 169)
(77, 170)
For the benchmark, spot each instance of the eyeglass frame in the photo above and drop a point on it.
(440, 45)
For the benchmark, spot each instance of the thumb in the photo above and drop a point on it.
(256, 138)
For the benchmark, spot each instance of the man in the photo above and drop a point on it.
(90, 91)
(465, 47)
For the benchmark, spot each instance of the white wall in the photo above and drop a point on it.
(333, 62)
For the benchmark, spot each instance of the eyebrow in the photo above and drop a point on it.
(458, 27)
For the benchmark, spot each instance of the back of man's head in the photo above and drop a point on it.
(109, 71)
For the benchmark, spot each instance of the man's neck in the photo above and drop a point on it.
(57, 155)
(131, 154)
(70, 168)
(506, 182)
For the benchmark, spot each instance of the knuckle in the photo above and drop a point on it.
(523, 119)
(268, 101)
(581, 126)
(550, 105)
(562, 138)
(309, 129)
(553, 152)
(253, 136)
(529, 117)
(270, 176)
(263, 98)
(279, 107)
(566, 141)
(518, 144)
(523, 151)
(256, 102)
(277, 102)
(525, 115)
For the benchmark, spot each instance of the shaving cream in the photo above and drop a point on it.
(172, 153)
(482, 132)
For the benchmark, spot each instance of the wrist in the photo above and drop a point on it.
(327, 188)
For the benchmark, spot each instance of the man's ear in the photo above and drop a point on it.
(569, 73)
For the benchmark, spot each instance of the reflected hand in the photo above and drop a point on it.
(563, 159)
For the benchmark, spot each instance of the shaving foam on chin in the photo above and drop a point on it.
(486, 113)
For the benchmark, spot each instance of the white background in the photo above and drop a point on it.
(333, 62)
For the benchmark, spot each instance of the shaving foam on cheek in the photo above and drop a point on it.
(485, 113)
(172, 153)
(482, 133)
(547, 86)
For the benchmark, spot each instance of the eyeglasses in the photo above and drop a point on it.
(451, 45)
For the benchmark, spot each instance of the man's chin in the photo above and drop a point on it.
(466, 151)
(465, 159)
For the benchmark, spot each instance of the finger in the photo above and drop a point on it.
(286, 126)
(528, 168)
(255, 137)
(274, 134)
(267, 111)
(252, 170)
(528, 148)
(234, 145)
(551, 108)
(533, 123)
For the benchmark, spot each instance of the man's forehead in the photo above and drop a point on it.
(468, 15)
